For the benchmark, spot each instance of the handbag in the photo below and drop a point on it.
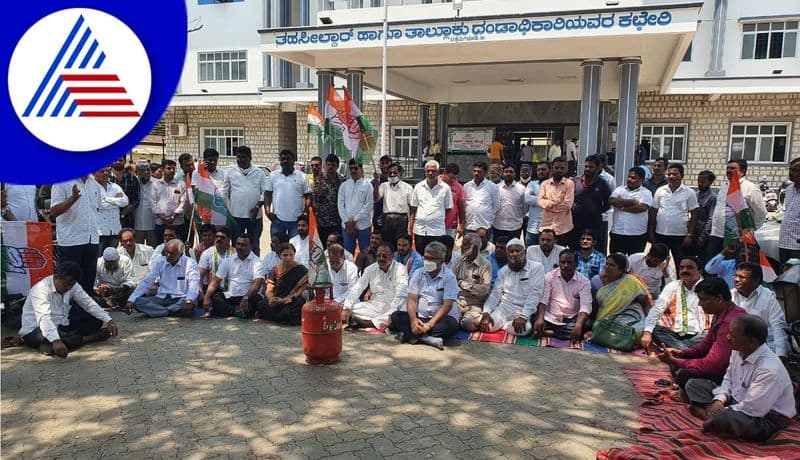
(614, 332)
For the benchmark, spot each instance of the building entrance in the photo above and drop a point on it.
(539, 139)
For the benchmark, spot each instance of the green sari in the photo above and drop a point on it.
(618, 295)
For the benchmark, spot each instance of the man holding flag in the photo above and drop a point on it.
(347, 129)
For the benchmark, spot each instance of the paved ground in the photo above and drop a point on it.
(219, 389)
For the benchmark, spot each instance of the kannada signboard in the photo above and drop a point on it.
(469, 139)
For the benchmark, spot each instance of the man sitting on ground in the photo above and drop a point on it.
(709, 358)
(755, 398)
(761, 301)
(654, 268)
(499, 258)
(242, 272)
(386, 282)
(547, 251)
(212, 257)
(47, 320)
(300, 241)
(590, 260)
(114, 281)
(178, 285)
(430, 314)
(515, 295)
(139, 254)
(344, 274)
(160, 250)
(367, 257)
(336, 238)
(723, 265)
(474, 275)
(676, 320)
(410, 259)
(566, 302)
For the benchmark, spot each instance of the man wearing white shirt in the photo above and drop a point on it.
(344, 274)
(170, 234)
(112, 199)
(212, 258)
(114, 281)
(288, 195)
(758, 300)
(387, 281)
(355, 202)
(431, 201)
(74, 205)
(547, 251)
(243, 188)
(22, 202)
(481, 198)
(511, 207)
(300, 241)
(515, 295)
(752, 196)
(177, 289)
(143, 221)
(677, 320)
(139, 254)
(673, 216)
(632, 204)
(241, 271)
(168, 201)
(48, 322)
(396, 196)
(653, 267)
(756, 397)
(210, 160)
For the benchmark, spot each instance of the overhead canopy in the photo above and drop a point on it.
(496, 50)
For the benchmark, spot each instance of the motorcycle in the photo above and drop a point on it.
(771, 200)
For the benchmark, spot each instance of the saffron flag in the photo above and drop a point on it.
(769, 274)
(316, 124)
(27, 255)
(210, 205)
(318, 273)
(739, 219)
(347, 130)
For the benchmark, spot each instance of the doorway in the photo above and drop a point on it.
(538, 139)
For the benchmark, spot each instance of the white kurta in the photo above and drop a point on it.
(389, 293)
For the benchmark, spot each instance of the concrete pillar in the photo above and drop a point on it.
(324, 81)
(442, 112)
(355, 84)
(590, 106)
(718, 39)
(602, 127)
(423, 128)
(305, 20)
(626, 120)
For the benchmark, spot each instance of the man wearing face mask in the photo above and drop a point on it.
(430, 314)
(396, 196)
(387, 282)
(474, 275)
(515, 295)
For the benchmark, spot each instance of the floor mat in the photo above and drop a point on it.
(505, 337)
(668, 431)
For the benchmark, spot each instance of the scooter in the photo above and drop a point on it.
(770, 195)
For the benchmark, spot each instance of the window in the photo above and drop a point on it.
(223, 140)
(687, 56)
(666, 140)
(405, 140)
(769, 40)
(222, 66)
(760, 142)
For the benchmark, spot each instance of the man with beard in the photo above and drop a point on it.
(591, 201)
(387, 282)
(511, 207)
(474, 275)
(241, 271)
(377, 207)
(186, 165)
(144, 223)
(130, 187)
(547, 251)
(344, 274)
(210, 160)
(653, 267)
(114, 281)
(300, 241)
(211, 258)
(244, 188)
(659, 178)
(566, 303)
(410, 259)
(590, 260)
(287, 197)
(481, 199)
(515, 295)
(673, 216)
(706, 201)
(487, 247)
(676, 320)
(532, 192)
(325, 196)
(556, 197)
(631, 204)
(367, 256)
(457, 217)
(498, 258)
(169, 201)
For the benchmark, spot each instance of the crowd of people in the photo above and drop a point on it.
(530, 252)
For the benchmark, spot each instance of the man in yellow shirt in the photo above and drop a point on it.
(495, 152)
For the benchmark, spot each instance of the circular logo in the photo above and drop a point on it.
(79, 79)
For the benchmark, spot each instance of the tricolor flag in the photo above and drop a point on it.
(27, 255)
(315, 122)
(350, 133)
(318, 264)
(766, 267)
(739, 219)
(209, 203)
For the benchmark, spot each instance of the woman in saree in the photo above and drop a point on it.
(286, 284)
(622, 297)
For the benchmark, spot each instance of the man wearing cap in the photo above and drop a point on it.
(177, 289)
(143, 220)
(115, 281)
(515, 295)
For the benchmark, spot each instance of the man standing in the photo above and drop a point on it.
(404, 255)
(631, 204)
(572, 155)
(457, 217)
(241, 272)
(210, 160)
(789, 239)
(591, 201)
(566, 302)
(590, 260)
(658, 179)
(288, 196)
(139, 254)
(396, 195)
(387, 281)
(495, 152)
(112, 200)
(143, 220)
(481, 199)
(759, 300)
(355, 208)
(300, 241)
(430, 203)
(74, 205)
(554, 151)
(511, 207)
(673, 216)
(130, 187)
(186, 164)
(547, 251)
(556, 197)
(654, 268)
(168, 202)
(515, 295)
(532, 192)
(244, 187)
(325, 197)
(474, 275)
(526, 154)
(22, 202)
(706, 201)
(178, 285)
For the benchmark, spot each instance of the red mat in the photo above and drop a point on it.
(668, 431)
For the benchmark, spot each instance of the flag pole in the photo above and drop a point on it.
(383, 78)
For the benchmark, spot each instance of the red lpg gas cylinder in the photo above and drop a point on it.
(322, 329)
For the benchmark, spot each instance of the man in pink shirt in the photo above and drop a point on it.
(455, 220)
(566, 303)
(556, 196)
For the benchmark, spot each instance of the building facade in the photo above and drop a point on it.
(719, 80)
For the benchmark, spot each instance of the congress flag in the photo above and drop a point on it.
(209, 203)
(27, 255)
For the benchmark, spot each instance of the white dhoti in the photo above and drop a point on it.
(377, 312)
(499, 321)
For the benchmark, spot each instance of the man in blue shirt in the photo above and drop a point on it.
(410, 259)
(498, 258)
(431, 314)
(723, 265)
(590, 260)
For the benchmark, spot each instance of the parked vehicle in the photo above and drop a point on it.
(770, 194)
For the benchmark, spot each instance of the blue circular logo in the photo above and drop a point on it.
(86, 82)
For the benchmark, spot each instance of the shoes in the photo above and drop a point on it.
(46, 349)
(436, 342)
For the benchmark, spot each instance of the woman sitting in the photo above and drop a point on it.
(286, 283)
(621, 297)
